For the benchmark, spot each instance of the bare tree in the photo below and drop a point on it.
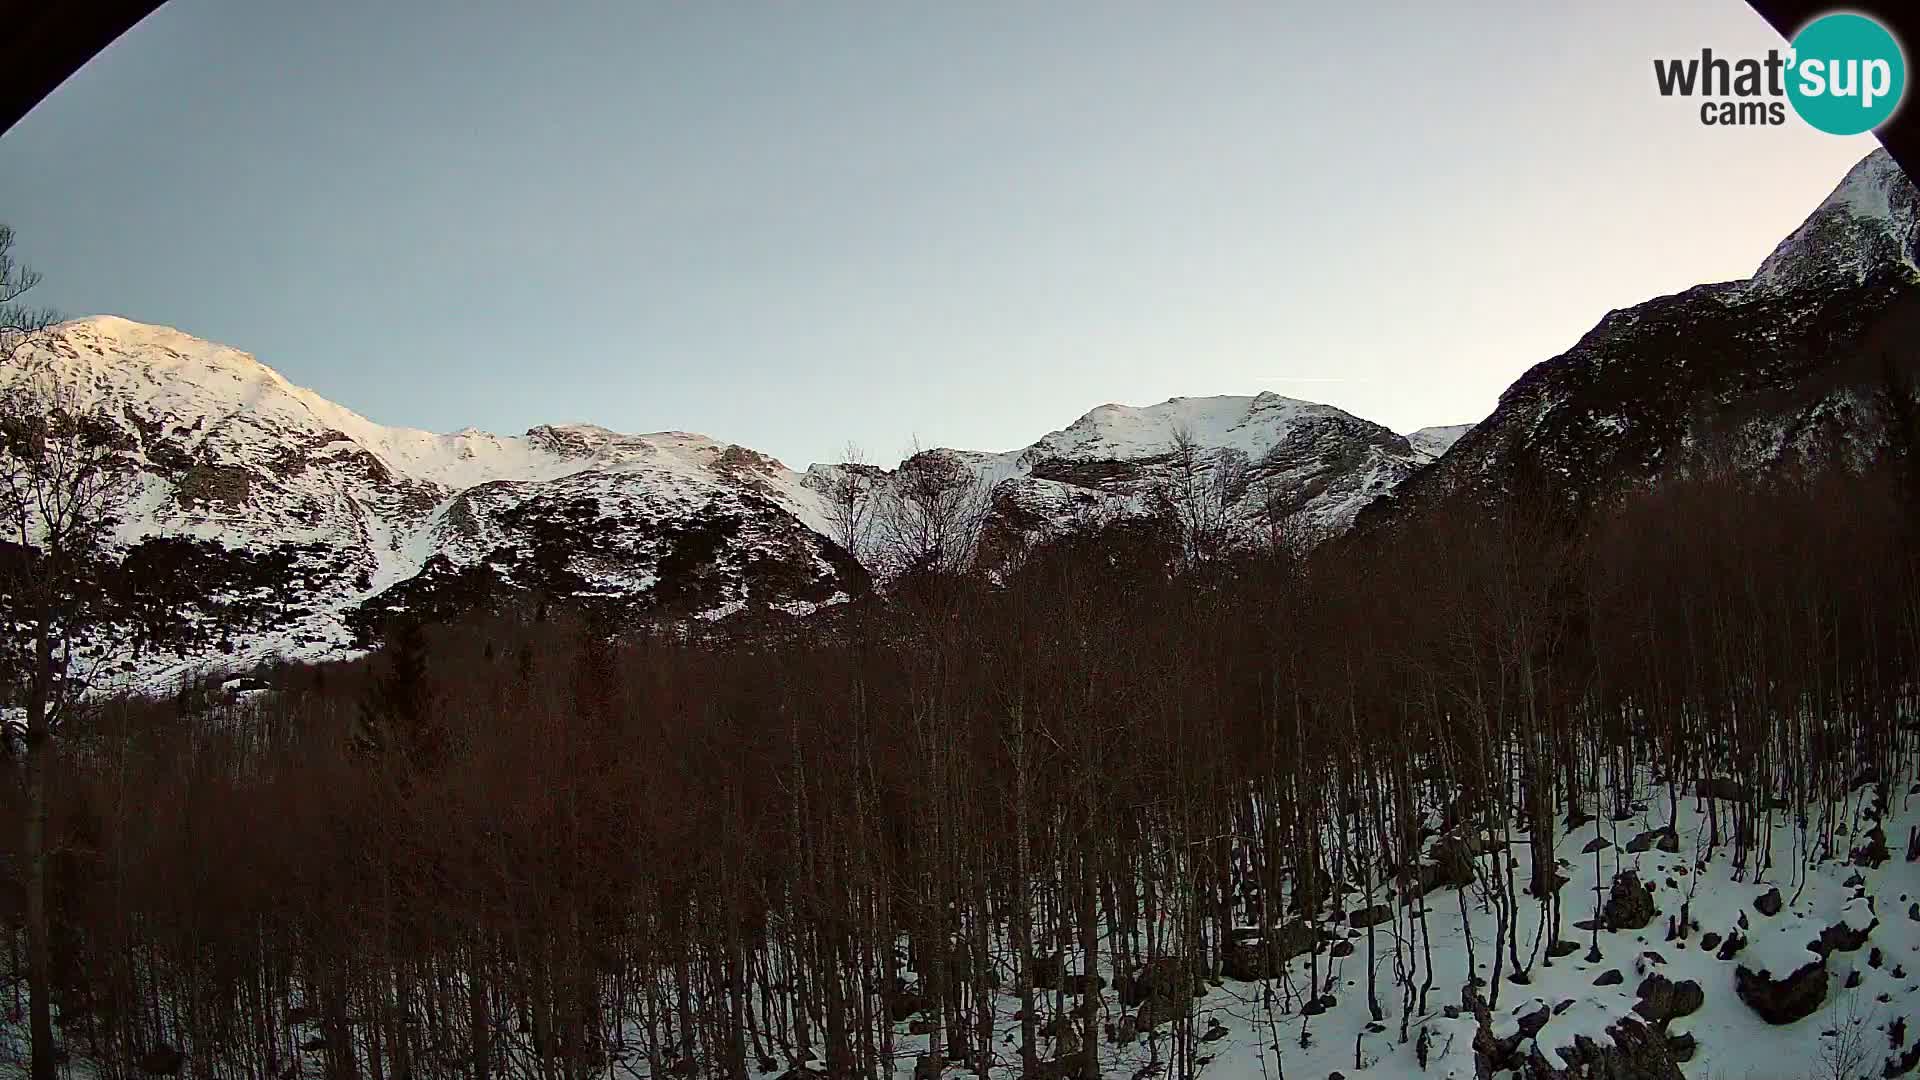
(933, 509)
(850, 499)
(1844, 1046)
(20, 324)
(59, 479)
(1198, 492)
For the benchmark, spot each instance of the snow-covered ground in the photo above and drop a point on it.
(1254, 1030)
(1572, 1007)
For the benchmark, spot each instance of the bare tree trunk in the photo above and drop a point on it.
(40, 748)
(478, 1018)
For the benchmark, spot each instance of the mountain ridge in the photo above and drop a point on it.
(307, 524)
(293, 526)
(1781, 369)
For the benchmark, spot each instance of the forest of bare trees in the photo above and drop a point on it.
(915, 832)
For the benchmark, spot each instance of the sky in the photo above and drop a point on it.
(795, 226)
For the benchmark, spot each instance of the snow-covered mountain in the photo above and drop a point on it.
(284, 524)
(1257, 460)
(269, 522)
(1321, 463)
(1870, 222)
(1790, 367)
(1435, 441)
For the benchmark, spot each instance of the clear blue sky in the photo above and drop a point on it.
(793, 224)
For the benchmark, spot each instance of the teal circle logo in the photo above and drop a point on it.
(1848, 74)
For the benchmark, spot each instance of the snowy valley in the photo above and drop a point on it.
(1235, 738)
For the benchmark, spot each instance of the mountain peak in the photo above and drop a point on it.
(128, 332)
(122, 350)
(1871, 220)
(1438, 439)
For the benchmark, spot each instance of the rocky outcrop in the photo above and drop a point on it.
(1254, 954)
(1373, 915)
(205, 484)
(1168, 978)
(1662, 999)
(1630, 1050)
(1629, 904)
(1665, 839)
(1783, 999)
(1774, 373)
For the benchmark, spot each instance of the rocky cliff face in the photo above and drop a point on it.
(1792, 367)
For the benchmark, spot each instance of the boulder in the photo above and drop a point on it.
(1843, 938)
(1769, 903)
(1875, 851)
(1681, 1047)
(1456, 852)
(1629, 905)
(1662, 999)
(1643, 842)
(1782, 1000)
(1631, 1051)
(1455, 871)
(1253, 955)
(1369, 916)
(1165, 977)
(1156, 1011)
